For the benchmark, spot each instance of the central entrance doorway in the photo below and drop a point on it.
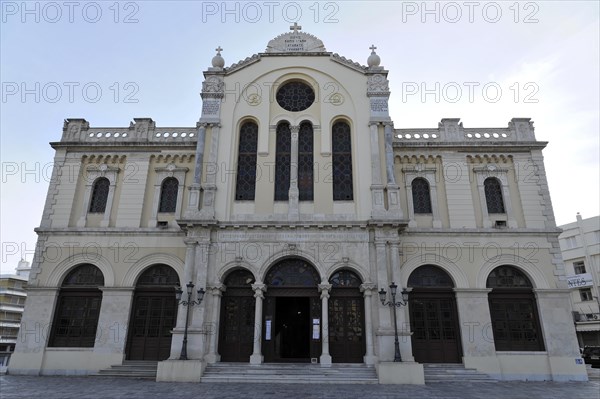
(292, 328)
(292, 313)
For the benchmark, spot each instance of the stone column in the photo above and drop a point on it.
(216, 290)
(294, 194)
(376, 186)
(193, 205)
(325, 359)
(210, 186)
(382, 281)
(367, 290)
(259, 289)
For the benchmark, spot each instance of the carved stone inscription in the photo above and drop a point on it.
(211, 107)
(379, 106)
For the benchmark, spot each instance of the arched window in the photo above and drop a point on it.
(493, 195)
(342, 162)
(246, 170)
(78, 308)
(168, 195)
(282, 161)
(513, 310)
(421, 196)
(99, 195)
(305, 162)
(292, 273)
(345, 279)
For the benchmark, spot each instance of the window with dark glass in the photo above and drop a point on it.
(342, 162)
(493, 195)
(513, 310)
(295, 96)
(421, 196)
(78, 308)
(246, 170)
(579, 267)
(282, 161)
(305, 162)
(99, 195)
(168, 195)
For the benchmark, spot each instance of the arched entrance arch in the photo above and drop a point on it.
(433, 316)
(292, 312)
(153, 315)
(236, 332)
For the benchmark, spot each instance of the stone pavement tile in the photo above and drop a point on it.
(26, 387)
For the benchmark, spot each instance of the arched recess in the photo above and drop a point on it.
(236, 327)
(292, 312)
(458, 276)
(433, 316)
(346, 311)
(58, 274)
(78, 308)
(532, 271)
(153, 314)
(513, 310)
(136, 270)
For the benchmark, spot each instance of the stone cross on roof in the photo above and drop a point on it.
(295, 27)
(372, 48)
(218, 50)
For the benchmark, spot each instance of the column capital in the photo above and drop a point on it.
(259, 290)
(216, 289)
(368, 288)
(190, 241)
(295, 129)
(324, 290)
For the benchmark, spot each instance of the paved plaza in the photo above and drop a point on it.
(24, 387)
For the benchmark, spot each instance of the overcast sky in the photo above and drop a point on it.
(109, 62)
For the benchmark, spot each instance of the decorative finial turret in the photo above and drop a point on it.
(373, 61)
(218, 61)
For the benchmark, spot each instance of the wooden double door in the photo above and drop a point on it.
(236, 333)
(434, 323)
(153, 317)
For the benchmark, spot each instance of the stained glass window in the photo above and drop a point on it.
(295, 96)
(246, 170)
(342, 162)
(345, 278)
(507, 277)
(239, 278)
(292, 273)
(305, 162)
(430, 276)
(168, 195)
(421, 196)
(493, 195)
(159, 275)
(282, 161)
(99, 195)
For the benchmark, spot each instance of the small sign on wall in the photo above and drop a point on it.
(267, 330)
(578, 361)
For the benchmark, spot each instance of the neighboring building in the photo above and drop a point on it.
(580, 246)
(292, 202)
(12, 303)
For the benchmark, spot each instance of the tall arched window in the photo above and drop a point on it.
(78, 308)
(493, 195)
(342, 162)
(168, 195)
(282, 161)
(305, 162)
(99, 195)
(246, 170)
(421, 196)
(513, 310)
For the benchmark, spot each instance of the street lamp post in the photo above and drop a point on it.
(394, 304)
(188, 304)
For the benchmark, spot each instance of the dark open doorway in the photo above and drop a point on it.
(292, 328)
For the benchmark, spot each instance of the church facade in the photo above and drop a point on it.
(291, 204)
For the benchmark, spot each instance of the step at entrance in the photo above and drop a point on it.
(288, 373)
(449, 372)
(131, 369)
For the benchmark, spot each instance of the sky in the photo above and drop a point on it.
(109, 62)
